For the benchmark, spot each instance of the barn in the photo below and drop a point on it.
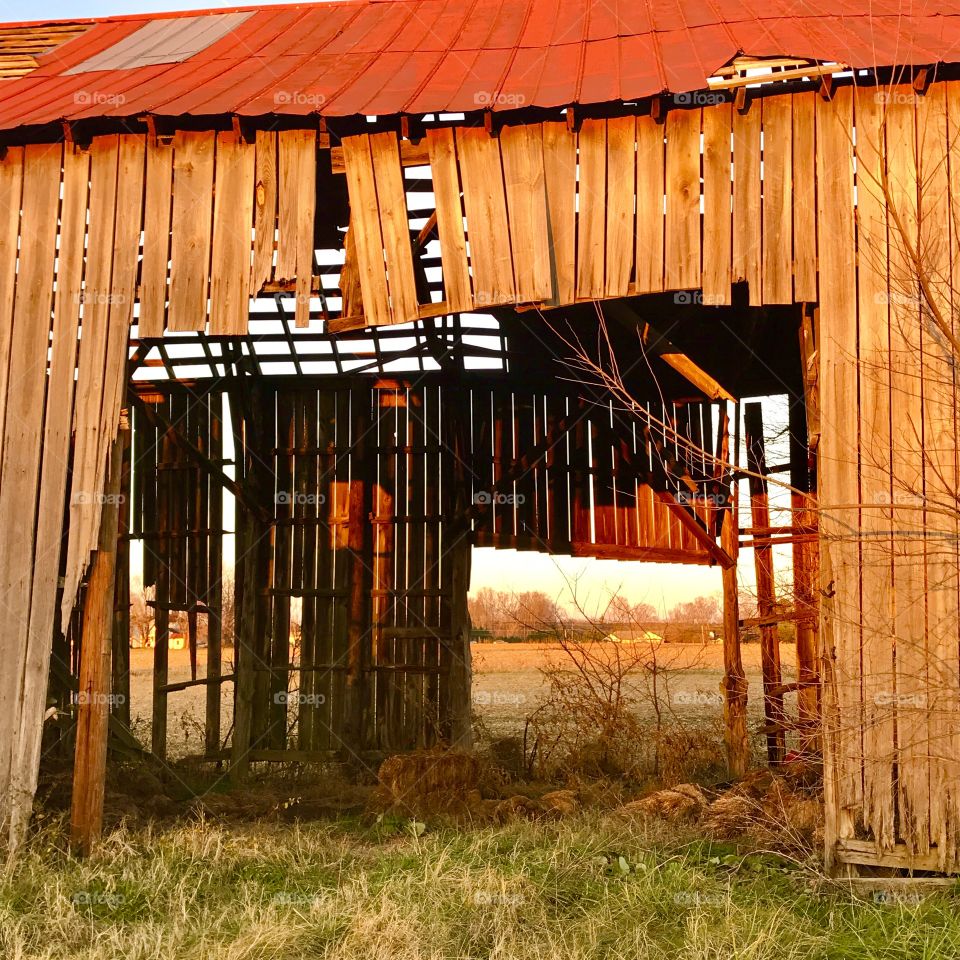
(313, 275)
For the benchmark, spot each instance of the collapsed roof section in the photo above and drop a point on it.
(379, 57)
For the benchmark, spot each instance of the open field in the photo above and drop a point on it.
(593, 886)
(508, 683)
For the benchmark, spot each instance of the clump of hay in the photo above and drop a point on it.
(430, 781)
(684, 802)
(551, 806)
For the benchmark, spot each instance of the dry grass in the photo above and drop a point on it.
(581, 888)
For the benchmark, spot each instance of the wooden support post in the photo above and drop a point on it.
(215, 599)
(734, 680)
(121, 603)
(360, 547)
(766, 591)
(90, 763)
(161, 610)
(805, 577)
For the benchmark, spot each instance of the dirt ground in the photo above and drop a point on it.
(508, 684)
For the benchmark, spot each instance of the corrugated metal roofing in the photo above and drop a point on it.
(422, 56)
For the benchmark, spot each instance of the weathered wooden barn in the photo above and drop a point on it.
(306, 275)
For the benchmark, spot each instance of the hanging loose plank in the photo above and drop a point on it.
(232, 224)
(365, 226)
(523, 173)
(298, 197)
(591, 219)
(683, 200)
(560, 177)
(746, 200)
(777, 200)
(394, 226)
(84, 512)
(57, 430)
(11, 191)
(156, 239)
(650, 172)
(193, 161)
(621, 186)
(804, 199)
(875, 492)
(23, 429)
(488, 229)
(453, 241)
(838, 450)
(265, 210)
(717, 121)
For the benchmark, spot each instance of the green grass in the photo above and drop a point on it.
(590, 887)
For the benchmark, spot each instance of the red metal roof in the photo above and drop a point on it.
(423, 56)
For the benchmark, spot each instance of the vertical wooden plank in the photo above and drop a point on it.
(560, 177)
(592, 207)
(717, 180)
(297, 196)
(22, 442)
(11, 191)
(838, 462)
(875, 491)
(909, 583)
(232, 225)
(90, 765)
(193, 162)
(939, 472)
(264, 210)
(777, 200)
(948, 839)
(453, 242)
(156, 239)
(394, 226)
(650, 186)
(215, 596)
(746, 200)
(488, 231)
(58, 420)
(621, 187)
(365, 227)
(683, 200)
(804, 199)
(523, 172)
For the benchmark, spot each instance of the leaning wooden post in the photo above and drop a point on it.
(90, 763)
(766, 591)
(734, 679)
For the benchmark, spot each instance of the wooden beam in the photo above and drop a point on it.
(766, 591)
(90, 763)
(734, 683)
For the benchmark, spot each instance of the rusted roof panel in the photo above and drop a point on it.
(425, 56)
